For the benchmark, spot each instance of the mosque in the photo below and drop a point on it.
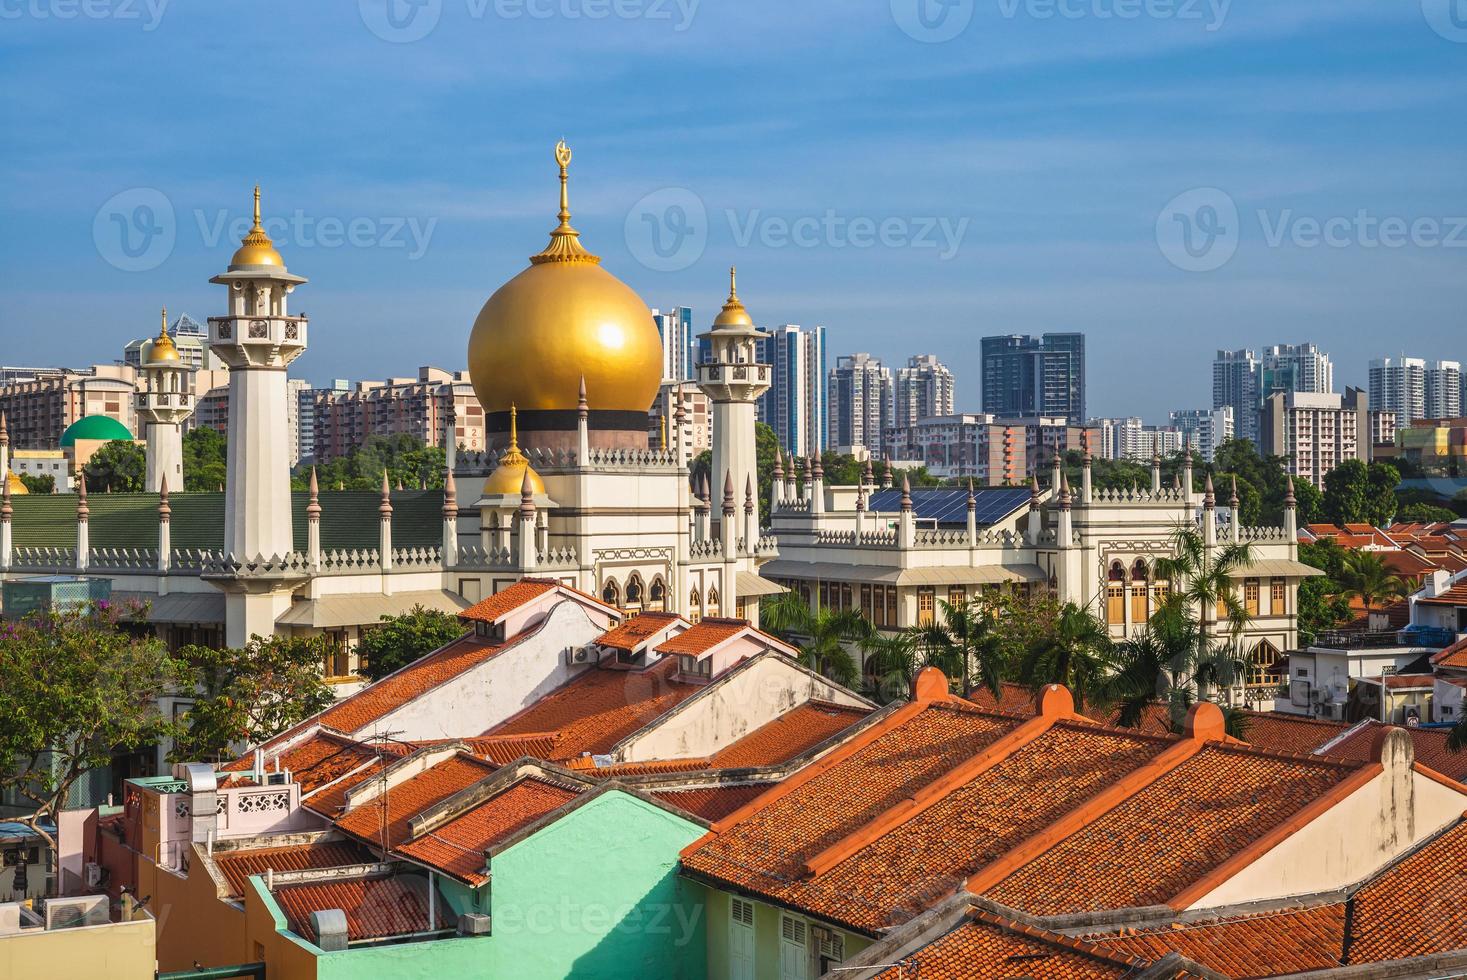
(566, 360)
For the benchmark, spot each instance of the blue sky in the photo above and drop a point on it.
(1038, 170)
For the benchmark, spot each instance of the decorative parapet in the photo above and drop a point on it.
(941, 539)
(557, 558)
(407, 559)
(475, 556)
(795, 506)
(44, 559)
(124, 559)
(192, 560)
(1138, 495)
(767, 547)
(705, 549)
(1261, 535)
(291, 565)
(646, 458)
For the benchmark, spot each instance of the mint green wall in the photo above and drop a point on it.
(766, 937)
(596, 894)
(442, 959)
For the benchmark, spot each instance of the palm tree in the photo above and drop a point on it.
(821, 635)
(893, 661)
(1202, 582)
(1363, 575)
(1074, 652)
(1457, 737)
(960, 639)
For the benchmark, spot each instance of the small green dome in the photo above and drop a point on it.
(102, 427)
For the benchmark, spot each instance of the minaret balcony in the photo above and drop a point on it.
(258, 341)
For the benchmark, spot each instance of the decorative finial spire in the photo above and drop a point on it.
(1209, 498)
(165, 512)
(313, 508)
(565, 241)
(514, 428)
(82, 510)
(582, 406)
(778, 466)
(707, 494)
(867, 477)
(861, 500)
(819, 467)
(5, 509)
(728, 494)
(1289, 500)
(256, 235)
(1234, 499)
(1065, 500)
(163, 327)
(733, 313)
(257, 226)
(450, 494)
(527, 497)
(906, 493)
(748, 495)
(972, 498)
(4, 432)
(1033, 493)
(385, 508)
(664, 432)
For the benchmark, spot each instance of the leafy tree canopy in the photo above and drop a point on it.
(117, 467)
(408, 461)
(399, 640)
(38, 483)
(204, 460)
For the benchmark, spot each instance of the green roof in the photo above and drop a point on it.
(103, 427)
(349, 519)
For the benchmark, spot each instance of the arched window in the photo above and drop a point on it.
(713, 601)
(657, 595)
(1262, 673)
(1140, 611)
(1115, 595)
(634, 591)
(611, 593)
(695, 605)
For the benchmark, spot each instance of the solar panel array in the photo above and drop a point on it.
(951, 506)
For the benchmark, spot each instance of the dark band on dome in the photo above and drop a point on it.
(566, 420)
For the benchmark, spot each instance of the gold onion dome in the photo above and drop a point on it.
(563, 318)
(509, 476)
(256, 248)
(161, 349)
(733, 313)
(16, 484)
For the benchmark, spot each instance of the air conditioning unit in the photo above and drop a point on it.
(277, 779)
(92, 874)
(473, 924)
(1332, 711)
(588, 654)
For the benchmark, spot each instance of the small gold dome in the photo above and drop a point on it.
(733, 313)
(563, 319)
(256, 248)
(161, 349)
(508, 477)
(16, 484)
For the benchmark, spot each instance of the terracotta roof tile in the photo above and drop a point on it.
(375, 908)
(986, 946)
(504, 749)
(354, 713)
(1404, 682)
(792, 733)
(704, 635)
(1455, 596)
(1019, 699)
(1171, 833)
(457, 847)
(714, 802)
(1415, 907)
(1267, 945)
(637, 630)
(598, 709)
(318, 760)
(1430, 745)
(409, 798)
(1278, 732)
(329, 800)
(506, 601)
(238, 866)
(1453, 657)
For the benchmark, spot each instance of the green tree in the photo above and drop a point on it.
(961, 640)
(117, 467)
(1457, 737)
(1074, 651)
(407, 460)
(38, 482)
(77, 688)
(251, 694)
(1363, 575)
(823, 636)
(893, 661)
(400, 640)
(1202, 584)
(1309, 508)
(1355, 493)
(205, 462)
(1321, 607)
(1382, 480)
(1425, 514)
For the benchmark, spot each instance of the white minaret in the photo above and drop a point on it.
(258, 339)
(165, 398)
(733, 380)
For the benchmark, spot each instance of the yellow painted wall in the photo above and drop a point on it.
(285, 957)
(194, 923)
(119, 951)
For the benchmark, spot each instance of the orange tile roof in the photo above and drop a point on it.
(595, 711)
(704, 635)
(238, 866)
(1453, 657)
(504, 749)
(1430, 745)
(1275, 731)
(635, 631)
(987, 946)
(375, 908)
(1403, 682)
(792, 733)
(506, 601)
(354, 713)
(1019, 699)
(1170, 834)
(318, 760)
(1265, 945)
(1455, 596)
(765, 852)
(714, 802)
(457, 847)
(1415, 907)
(329, 800)
(409, 798)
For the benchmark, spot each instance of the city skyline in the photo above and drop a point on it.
(1040, 250)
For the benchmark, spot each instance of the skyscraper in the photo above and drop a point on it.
(1398, 384)
(1235, 380)
(924, 390)
(1024, 377)
(1297, 367)
(859, 397)
(795, 405)
(679, 347)
(1243, 380)
(1443, 390)
(1205, 429)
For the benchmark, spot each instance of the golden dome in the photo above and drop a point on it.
(256, 248)
(16, 484)
(161, 349)
(562, 319)
(733, 313)
(509, 476)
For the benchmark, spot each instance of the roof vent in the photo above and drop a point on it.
(330, 928)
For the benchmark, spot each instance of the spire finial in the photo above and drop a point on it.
(906, 493)
(313, 507)
(514, 428)
(82, 510)
(728, 492)
(450, 494)
(385, 508)
(256, 226)
(4, 432)
(582, 405)
(1289, 500)
(749, 494)
(565, 244)
(972, 497)
(527, 497)
(733, 282)
(163, 329)
(6, 511)
(165, 512)
(1234, 499)
(1209, 496)
(664, 432)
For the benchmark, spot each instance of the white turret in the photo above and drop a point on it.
(83, 519)
(450, 520)
(164, 399)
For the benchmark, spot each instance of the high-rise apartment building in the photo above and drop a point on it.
(1414, 388)
(991, 450)
(1316, 432)
(1024, 376)
(1205, 429)
(1242, 380)
(679, 345)
(859, 398)
(924, 390)
(428, 407)
(697, 434)
(1133, 439)
(1235, 381)
(1297, 367)
(38, 411)
(795, 404)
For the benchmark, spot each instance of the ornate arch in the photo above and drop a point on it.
(636, 590)
(611, 593)
(657, 594)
